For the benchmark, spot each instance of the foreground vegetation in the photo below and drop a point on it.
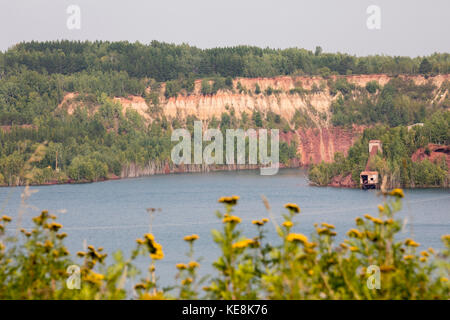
(35, 264)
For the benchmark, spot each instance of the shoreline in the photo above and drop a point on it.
(213, 170)
(180, 169)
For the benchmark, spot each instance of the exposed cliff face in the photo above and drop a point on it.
(133, 170)
(314, 144)
(205, 107)
(320, 144)
(434, 152)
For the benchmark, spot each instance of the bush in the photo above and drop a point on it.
(84, 168)
(372, 86)
(257, 89)
(172, 88)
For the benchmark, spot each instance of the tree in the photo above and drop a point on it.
(318, 51)
(257, 119)
(206, 87)
(425, 66)
(257, 89)
(372, 86)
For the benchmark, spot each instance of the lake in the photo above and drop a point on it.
(113, 214)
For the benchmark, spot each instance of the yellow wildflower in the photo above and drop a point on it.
(6, 218)
(444, 279)
(258, 222)
(64, 251)
(158, 254)
(323, 231)
(292, 207)
(48, 244)
(354, 249)
(181, 266)
(411, 243)
(95, 278)
(229, 200)
(81, 253)
(231, 219)
(61, 235)
(265, 220)
(355, 233)
(191, 238)
(329, 226)
(311, 245)
(380, 208)
(193, 265)
(310, 272)
(408, 257)
(186, 281)
(297, 237)
(140, 286)
(423, 259)
(397, 193)
(54, 226)
(425, 254)
(377, 221)
(242, 244)
(287, 224)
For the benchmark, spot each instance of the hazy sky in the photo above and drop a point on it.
(408, 27)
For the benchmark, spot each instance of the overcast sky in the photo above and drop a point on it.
(408, 27)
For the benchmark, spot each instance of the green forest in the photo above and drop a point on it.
(40, 143)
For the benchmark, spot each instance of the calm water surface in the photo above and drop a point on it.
(113, 214)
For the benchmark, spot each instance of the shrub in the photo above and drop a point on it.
(372, 86)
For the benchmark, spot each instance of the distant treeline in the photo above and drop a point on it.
(163, 61)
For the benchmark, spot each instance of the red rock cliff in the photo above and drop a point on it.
(314, 144)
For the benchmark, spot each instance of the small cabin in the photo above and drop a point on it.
(368, 179)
